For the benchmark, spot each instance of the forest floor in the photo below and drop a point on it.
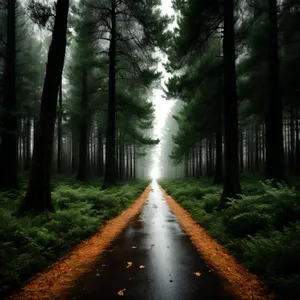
(30, 244)
(153, 258)
(261, 229)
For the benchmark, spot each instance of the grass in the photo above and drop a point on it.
(28, 245)
(262, 229)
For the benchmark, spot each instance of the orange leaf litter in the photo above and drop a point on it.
(62, 275)
(243, 284)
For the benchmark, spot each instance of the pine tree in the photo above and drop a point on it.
(8, 149)
(189, 44)
(38, 196)
(274, 134)
(134, 29)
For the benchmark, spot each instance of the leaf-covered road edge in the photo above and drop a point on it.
(62, 275)
(243, 284)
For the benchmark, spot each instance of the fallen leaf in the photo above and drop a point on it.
(121, 292)
(133, 247)
(197, 274)
(142, 267)
(129, 264)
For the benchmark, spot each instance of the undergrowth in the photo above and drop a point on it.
(262, 229)
(29, 244)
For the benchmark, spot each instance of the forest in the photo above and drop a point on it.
(129, 128)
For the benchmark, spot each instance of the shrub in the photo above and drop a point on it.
(30, 244)
(262, 228)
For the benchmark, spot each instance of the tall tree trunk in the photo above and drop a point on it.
(74, 150)
(257, 147)
(197, 160)
(207, 156)
(249, 147)
(28, 142)
(130, 162)
(23, 144)
(263, 152)
(241, 143)
(127, 162)
(274, 135)
(59, 129)
(292, 135)
(83, 132)
(35, 116)
(38, 197)
(186, 165)
(100, 153)
(110, 171)
(122, 158)
(200, 159)
(117, 156)
(95, 151)
(193, 162)
(297, 142)
(231, 186)
(219, 158)
(210, 151)
(134, 162)
(9, 151)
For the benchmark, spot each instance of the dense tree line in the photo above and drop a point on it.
(237, 74)
(84, 109)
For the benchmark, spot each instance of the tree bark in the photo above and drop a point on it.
(292, 139)
(110, 171)
(241, 143)
(297, 142)
(122, 158)
(83, 132)
(38, 197)
(211, 156)
(274, 135)
(186, 165)
(28, 142)
(200, 159)
(9, 140)
(219, 158)
(59, 130)
(100, 153)
(74, 150)
(231, 187)
(134, 162)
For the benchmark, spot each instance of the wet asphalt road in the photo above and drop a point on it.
(170, 262)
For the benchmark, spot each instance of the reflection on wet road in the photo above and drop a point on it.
(168, 255)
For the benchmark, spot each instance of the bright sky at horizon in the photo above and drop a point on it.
(162, 106)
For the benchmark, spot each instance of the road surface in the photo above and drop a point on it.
(170, 264)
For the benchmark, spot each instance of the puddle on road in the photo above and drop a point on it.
(171, 221)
